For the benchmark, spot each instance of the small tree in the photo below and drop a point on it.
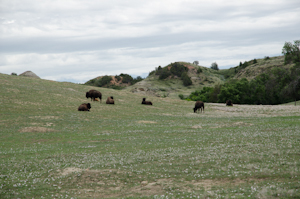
(214, 66)
(293, 89)
(291, 52)
(196, 63)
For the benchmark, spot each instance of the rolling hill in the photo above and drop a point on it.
(172, 86)
(48, 149)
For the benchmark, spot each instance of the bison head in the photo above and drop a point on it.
(88, 105)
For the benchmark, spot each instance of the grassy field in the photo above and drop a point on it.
(48, 149)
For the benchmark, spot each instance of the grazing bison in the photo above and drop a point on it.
(110, 100)
(199, 105)
(146, 102)
(229, 103)
(84, 107)
(93, 94)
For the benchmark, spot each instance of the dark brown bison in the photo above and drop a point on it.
(93, 94)
(146, 102)
(199, 105)
(110, 100)
(229, 103)
(84, 107)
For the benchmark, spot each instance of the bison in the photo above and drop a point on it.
(146, 102)
(229, 103)
(96, 99)
(110, 100)
(84, 107)
(93, 94)
(199, 105)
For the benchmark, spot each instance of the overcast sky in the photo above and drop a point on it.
(75, 40)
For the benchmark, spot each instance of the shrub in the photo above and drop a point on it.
(103, 81)
(203, 95)
(91, 82)
(186, 79)
(181, 96)
(151, 72)
(199, 70)
(164, 73)
(137, 79)
(118, 77)
(178, 69)
(126, 78)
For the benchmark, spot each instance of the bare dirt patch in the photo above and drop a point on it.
(34, 129)
(70, 170)
(146, 122)
(44, 117)
(196, 127)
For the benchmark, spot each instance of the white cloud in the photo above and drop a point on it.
(75, 40)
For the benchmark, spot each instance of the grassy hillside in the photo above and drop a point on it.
(173, 86)
(251, 70)
(48, 149)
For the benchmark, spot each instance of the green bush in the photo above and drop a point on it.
(199, 70)
(163, 74)
(118, 78)
(186, 79)
(203, 95)
(181, 96)
(126, 78)
(178, 69)
(105, 80)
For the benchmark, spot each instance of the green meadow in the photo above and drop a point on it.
(48, 149)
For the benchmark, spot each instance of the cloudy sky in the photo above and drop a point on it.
(75, 40)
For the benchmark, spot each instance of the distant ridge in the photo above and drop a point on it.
(29, 74)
